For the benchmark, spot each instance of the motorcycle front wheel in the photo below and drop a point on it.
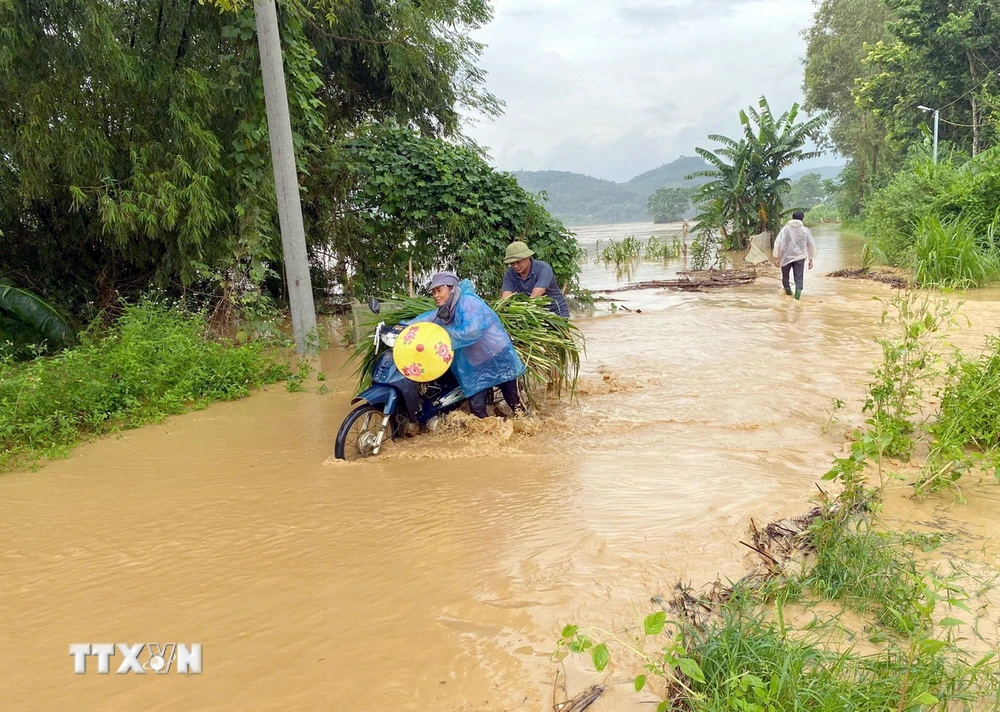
(359, 432)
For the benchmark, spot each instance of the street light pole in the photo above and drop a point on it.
(937, 114)
(286, 183)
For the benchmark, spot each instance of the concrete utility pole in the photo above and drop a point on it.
(937, 115)
(286, 184)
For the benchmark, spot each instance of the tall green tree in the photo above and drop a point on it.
(408, 197)
(134, 134)
(943, 54)
(743, 196)
(668, 204)
(837, 46)
(808, 191)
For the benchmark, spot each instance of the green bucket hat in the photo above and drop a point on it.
(516, 251)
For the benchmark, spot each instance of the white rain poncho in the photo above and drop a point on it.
(794, 243)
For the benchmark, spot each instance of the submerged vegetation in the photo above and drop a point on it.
(619, 251)
(629, 250)
(735, 648)
(156, 360)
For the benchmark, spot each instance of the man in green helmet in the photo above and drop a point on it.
(527, 275)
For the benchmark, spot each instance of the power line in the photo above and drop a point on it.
(986, 79)
(952, 123)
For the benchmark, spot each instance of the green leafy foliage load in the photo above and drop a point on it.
(549, 345)
(443, 207)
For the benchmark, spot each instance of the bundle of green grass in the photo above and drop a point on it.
(548, 344)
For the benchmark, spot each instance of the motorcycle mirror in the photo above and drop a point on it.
(374, 305)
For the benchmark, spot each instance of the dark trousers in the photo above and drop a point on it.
(800, 268)
(477, 401)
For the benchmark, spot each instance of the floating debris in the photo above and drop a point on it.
(692, 281)
(893, 280)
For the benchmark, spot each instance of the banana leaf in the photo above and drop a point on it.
(35, 312)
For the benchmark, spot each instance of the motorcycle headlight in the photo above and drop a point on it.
(389, 338)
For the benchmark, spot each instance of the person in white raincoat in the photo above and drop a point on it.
(793, 246)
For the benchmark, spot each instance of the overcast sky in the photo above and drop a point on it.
(613, 88)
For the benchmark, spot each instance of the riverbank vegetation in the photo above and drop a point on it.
(895, 632)
(155, 360)
(879, 68)
(136, 153)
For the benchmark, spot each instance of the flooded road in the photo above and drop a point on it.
(438, 576)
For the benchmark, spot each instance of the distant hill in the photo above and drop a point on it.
(577, 199)
(669, 175)
(825, 172)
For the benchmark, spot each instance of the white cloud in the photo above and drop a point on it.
(613, 88)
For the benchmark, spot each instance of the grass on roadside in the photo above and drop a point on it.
(966, 429)
(753, 662)
(867, 570)
(949, 254)
(745, 656)
(156, 360)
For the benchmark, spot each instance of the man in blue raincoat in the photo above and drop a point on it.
(484, 354)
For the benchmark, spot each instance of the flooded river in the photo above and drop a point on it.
(438, 576)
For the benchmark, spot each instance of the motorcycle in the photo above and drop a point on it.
(393, 406)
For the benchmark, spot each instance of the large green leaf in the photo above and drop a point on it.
(36, 313)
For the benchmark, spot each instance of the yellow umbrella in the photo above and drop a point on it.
(423, 352)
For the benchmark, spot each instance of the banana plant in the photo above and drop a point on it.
(743, 195)
(24, 316)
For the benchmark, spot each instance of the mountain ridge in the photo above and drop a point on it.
(580, 199)
(576, 198)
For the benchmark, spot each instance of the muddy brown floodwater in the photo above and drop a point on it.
(437, 576)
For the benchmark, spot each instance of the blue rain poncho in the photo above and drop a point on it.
(484, 354)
